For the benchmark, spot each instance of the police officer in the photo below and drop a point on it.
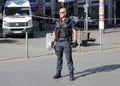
(63, 35)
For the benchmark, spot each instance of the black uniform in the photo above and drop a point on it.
(63, 32)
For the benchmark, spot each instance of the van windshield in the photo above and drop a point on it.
(17, 11)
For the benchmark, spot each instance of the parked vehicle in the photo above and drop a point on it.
(17, 18)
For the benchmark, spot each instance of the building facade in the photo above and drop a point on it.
(51, 7)
(76, 7)
(0, 6)
(111, 9)
(47, 7)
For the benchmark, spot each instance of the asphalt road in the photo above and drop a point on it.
(93, 67)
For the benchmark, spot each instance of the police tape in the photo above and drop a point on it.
(108, 19)
(42, 17)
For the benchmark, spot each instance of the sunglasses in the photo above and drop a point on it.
(61, 12)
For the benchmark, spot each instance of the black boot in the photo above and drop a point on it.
(57, 75)
(71, 76)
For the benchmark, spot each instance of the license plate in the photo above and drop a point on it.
(17, 32)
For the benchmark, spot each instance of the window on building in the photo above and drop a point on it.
(48, 11)
(56, 1)
(95, 12)
(95, 1)
(32, 0)
(47, 0)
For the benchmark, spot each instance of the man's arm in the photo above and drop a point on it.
(74, 35)
(53, 39)
(53, 36)
(74, 32)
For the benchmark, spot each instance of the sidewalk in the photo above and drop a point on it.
(37, 48)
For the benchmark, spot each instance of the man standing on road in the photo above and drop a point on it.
(63, 35)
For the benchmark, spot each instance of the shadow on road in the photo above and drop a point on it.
(106, 68)
(93, 44)
(7, 41)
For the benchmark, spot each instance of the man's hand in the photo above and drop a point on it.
(74, 44)
(52, 44)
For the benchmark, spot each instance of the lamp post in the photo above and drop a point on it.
(86, 14)
(101, 20)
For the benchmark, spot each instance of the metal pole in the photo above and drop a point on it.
(79, 40)
(115, 14)
(86, 15)
(27, 45)
(101, 20)
(101, 33)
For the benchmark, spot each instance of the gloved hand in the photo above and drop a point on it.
(52, 44)
(74, 44)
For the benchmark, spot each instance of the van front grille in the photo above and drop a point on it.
(18, 29)
(17, 24)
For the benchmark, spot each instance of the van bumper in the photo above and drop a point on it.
(17, 31)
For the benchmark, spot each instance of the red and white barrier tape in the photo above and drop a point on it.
(108, 19)
(79, 20)
(42, 17)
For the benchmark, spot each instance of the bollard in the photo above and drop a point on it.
(79, 40)
(27, 56)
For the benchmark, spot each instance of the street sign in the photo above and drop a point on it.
(85, 6)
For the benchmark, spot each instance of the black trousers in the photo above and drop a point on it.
(60, 47)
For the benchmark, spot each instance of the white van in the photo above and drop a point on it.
(17, 17)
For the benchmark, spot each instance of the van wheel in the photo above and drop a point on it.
(4, 35)
(30, 35)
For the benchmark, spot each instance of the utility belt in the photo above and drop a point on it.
(62, 39)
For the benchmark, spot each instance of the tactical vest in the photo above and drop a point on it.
(63, 29)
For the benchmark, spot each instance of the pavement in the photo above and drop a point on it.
(37, 45)
(93, 67)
